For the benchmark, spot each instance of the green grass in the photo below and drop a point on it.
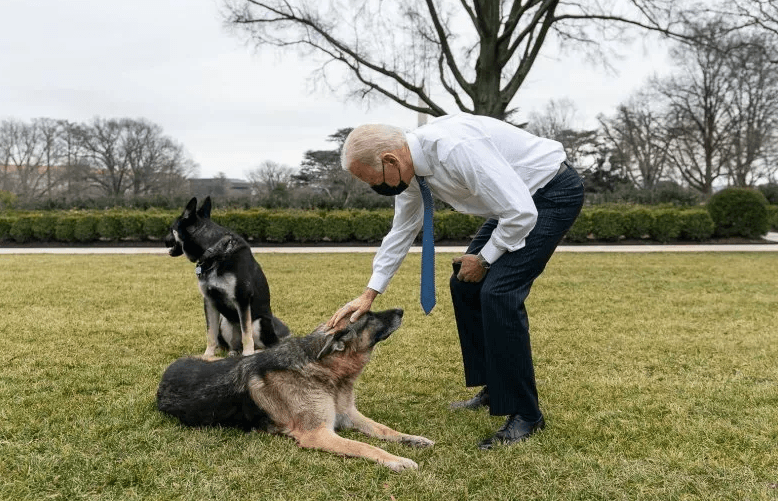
(657, 375)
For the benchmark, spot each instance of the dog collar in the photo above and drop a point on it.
(200, 269)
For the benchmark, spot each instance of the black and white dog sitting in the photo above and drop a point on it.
(235, 291)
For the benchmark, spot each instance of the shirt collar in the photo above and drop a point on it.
(420, 165)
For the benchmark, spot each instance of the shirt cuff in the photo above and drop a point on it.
(379, 282)
(491, 253)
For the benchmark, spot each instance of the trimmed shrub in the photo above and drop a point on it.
(740, 212)
(306, 226)
(581, 228)
(371, 226)
(109, 226)
(21, 229)
(235, 220)
(132, 225)
(638, 222)
(5, 226)
(253, 224)
(44, 225)
(696, 224)
(66, 228)
(772, 215)
(85, 229)
(453, 225)
(278, 227)
(337, 225)
(770, 192)
(666, 225)
(607, 224)
(157, 225)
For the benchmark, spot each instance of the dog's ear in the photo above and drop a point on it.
(335, 342)
(190, 209)
(205, 210)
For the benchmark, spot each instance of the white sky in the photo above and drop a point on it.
(173, 63)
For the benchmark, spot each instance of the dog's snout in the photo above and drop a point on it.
(399, 312)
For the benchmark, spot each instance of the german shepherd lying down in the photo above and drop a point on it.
(303, 387)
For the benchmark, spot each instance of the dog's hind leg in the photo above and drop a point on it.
(212, 320)
(267, 332)
(327, 440)
(371, 428)
(246, 329)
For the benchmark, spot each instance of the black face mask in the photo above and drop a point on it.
(385, 189)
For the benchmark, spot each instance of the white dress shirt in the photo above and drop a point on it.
(480, 166)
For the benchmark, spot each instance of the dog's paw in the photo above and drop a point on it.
(417, 441)
(401, 464)
(248, 351)
(209, 358)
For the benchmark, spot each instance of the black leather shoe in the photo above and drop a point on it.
(514, 430)
(481, 399)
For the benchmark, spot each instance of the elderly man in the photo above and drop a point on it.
(529, 195)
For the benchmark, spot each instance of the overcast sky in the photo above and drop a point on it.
(173, 63)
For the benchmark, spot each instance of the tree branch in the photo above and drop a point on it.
(449, 57)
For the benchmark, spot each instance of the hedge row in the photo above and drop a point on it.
(602, 223)
(609, 224)
(257, 225)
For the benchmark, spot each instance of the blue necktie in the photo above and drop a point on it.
(427, 250)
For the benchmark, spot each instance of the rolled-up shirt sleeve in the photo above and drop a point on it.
(406, 224)
(501, 192)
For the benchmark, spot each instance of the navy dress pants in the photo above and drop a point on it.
(491, 317)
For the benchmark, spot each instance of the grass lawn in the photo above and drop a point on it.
(658, 376)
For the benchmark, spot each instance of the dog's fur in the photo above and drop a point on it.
(236, 295)
(303, 388)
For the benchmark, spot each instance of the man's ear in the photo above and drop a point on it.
(205, 210)
(390, 158)
(190, 209)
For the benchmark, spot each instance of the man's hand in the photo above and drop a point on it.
(471, 270)
(355, 308)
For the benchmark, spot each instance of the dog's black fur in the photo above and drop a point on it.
(200, 393)
(231, 281)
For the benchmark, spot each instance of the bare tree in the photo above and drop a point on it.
(26, 153)
(754, 109)
(155, 161)
(126, 155)
(268, 177)
(557, 116)
(557, 122)
(699, 100)
(103, 150)
(638, 135)
(437, 55)
(723, 106)
(760, 14)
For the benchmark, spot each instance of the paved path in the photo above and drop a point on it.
(773, 237)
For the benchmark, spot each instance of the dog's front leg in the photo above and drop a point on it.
(327, 440)
(373, 429)
(246, 329)
(211, 328)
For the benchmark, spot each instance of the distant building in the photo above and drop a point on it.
(219, 187)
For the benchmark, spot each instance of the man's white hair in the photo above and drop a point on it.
(367, 143)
